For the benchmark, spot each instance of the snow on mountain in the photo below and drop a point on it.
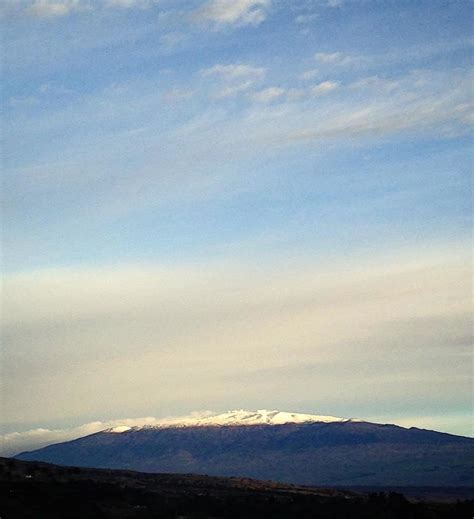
(236, 417)
(15, 442)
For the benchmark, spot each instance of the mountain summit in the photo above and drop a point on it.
(279, 446)
(234, 418)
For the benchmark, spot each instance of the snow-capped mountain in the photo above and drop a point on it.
(274, 445)
(236, 417)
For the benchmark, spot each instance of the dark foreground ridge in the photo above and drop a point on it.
(36, 490)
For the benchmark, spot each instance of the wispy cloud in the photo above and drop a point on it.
(309, 74)
(234, 12)
(324, 88)
(129, 4)
(268, 94)
(56, 8)
(377, 83)
(423, 104)
(15, 442)
(234, 71)
(178, 94)
(211, 129)
(234, 78)
(154, 333)
(62, 8)
(337, 58)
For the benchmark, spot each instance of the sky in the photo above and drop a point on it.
(218, 204)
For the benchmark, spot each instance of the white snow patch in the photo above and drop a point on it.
(239, 417)
(119, 429)
(15, 442)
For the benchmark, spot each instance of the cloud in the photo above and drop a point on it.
(452, 422)
(336, 58)
(61, 8)
(173, 39)
(55, 8)
(308, 74)
(268, 94)
(306, 18)
(376, 83)
(137, 339)
(15, 442)
(178, 94)
(234, 71)
(324, 88)
(425, 103)
(129, 4)
(234, 12)
(178, 160)
(234, 78)
(231, 91)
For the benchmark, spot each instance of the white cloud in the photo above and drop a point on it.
(377, 83)
(60, 8)
(324, 88)
(234, 12)
(231, 91)
(234, 78)
(55, 8)
(128, 4)
(15, 442)
(268, 94)
(337, 58)
(436, 104)
(234, 71)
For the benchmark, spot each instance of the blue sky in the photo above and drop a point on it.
(217, 190)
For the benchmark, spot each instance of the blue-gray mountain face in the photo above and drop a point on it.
(340, 454)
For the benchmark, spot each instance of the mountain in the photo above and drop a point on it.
(272, 445)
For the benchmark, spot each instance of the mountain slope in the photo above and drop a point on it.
(316, 453)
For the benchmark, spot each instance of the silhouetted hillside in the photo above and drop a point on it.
(37, 490)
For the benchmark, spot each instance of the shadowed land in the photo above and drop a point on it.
(33, 489)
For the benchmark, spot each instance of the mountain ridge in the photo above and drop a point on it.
(234, 418)
(317, 453)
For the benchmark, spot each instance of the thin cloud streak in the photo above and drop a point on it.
(233, 12)
(15, 442)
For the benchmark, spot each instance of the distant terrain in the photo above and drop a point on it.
(36, 490)
(338, 453)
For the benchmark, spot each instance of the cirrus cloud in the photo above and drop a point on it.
(268, 94)
(234, 12)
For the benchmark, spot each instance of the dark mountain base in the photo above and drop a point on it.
(35, 490)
